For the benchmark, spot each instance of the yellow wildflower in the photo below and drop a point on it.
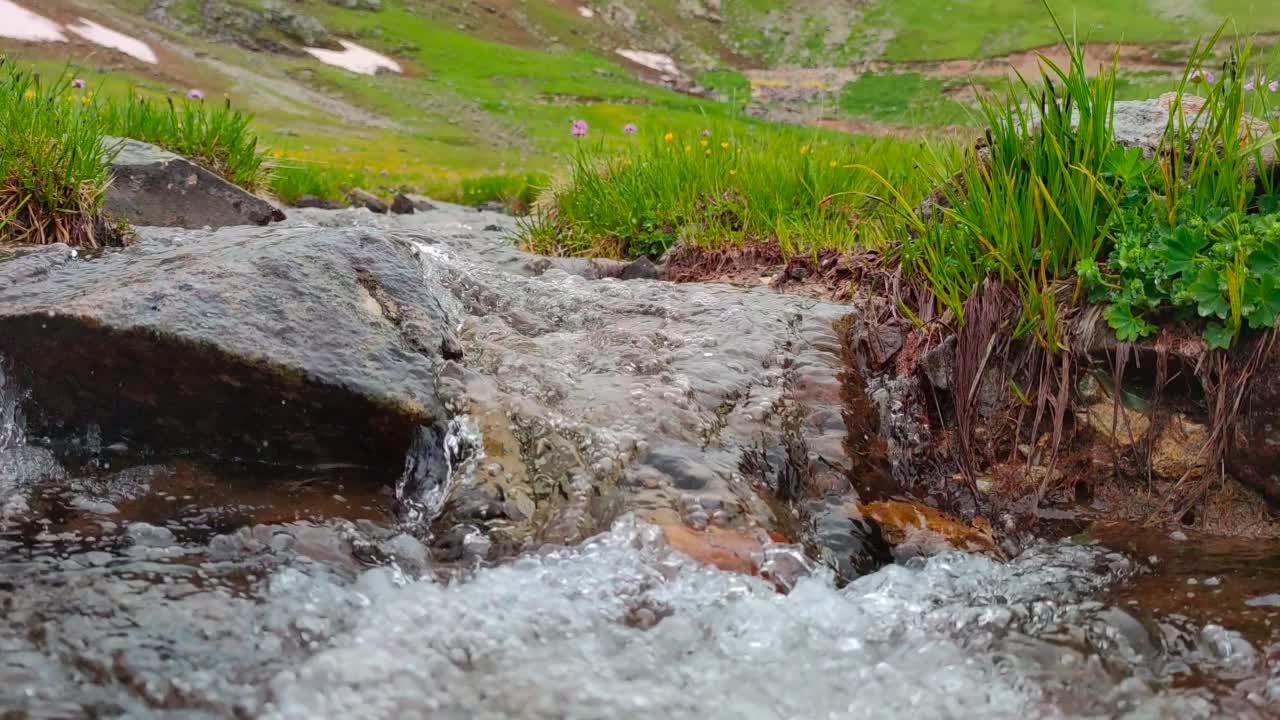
(29, 94)
(804, 149)
(669, 137)
(724, 146)
(732, 173)
(704, 143)
(834, 163)
(708, 152)
(84, 100)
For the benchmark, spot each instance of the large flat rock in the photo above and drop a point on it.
(294, 345)
(151, 186)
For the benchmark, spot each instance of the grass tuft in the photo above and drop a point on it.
(53, 164)
(213, 134)
(796, 188)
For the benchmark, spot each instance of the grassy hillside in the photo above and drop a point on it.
(491, 88)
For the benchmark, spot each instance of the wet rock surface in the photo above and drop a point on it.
(291, 345)
(151, 186)
(598, 397)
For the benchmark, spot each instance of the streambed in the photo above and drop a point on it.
(602, 413)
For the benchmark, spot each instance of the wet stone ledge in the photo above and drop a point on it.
(292, 346)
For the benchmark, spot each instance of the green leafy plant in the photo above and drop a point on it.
(1223, 267)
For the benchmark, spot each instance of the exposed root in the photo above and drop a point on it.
(77, 221)
(1226, 381)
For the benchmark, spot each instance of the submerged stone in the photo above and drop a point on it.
(298, 345)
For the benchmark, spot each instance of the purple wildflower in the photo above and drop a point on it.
(195, 94)
(579, 128)
(1210, 78)
(629, 128)
(385, 173)
(1250, 84)
(706, 133)
(1196, 76)
(78, 83)
(1274, 86)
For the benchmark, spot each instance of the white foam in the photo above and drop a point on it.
(355, 58)
(19, 23)
(108, 38)
(572, 634)
(652, 60)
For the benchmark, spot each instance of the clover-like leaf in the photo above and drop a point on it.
(1218, 336)
(1181, 248)
(1262, 302)
(1265, 260)
(1128, 327)
(1206, 292)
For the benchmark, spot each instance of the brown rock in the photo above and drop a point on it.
(904, 522)
(402, 205)
(1179, 448)
(312, 201)
(1124, 426)
(729, 550)
(366, 199)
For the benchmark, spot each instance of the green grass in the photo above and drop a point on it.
(906, 99)
(291, 180)
(727, 188)
(925, 30)
(210, 133)
(53, 163)
(729, 85)
(1062, 215)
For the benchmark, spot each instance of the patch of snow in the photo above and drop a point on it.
(586, 12)
(652, 60)
(19, 23)
(355, 58)
(108, 38)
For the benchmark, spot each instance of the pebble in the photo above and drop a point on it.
(1178, 536)
(148, 535)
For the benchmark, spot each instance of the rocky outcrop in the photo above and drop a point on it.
(273, 25)
(151, 186)
(296, 345)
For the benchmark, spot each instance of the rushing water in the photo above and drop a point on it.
(177, 590)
